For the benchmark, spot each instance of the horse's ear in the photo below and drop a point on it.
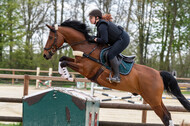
(50, 27)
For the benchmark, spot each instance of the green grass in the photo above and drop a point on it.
(16, 124)
(186, 92)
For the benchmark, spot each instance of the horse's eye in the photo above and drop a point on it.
(50, 37)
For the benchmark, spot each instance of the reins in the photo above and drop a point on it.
(73, 44)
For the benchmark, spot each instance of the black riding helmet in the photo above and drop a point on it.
(96, 13)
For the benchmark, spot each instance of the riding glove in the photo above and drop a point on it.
(91, 39)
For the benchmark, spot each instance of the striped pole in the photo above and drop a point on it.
(172, 98)
(117, 98)
(102, 88)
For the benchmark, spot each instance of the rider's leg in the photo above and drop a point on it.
(115, 67)
(115, 50)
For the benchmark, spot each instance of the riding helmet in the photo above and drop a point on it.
(96, 13)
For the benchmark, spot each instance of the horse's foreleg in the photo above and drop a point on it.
(75, 66)
(65, 58)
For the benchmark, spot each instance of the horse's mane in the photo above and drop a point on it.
(77, 25)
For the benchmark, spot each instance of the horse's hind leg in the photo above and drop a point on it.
(159, 108)
(163, 113)
(168, 113)
(165, 109)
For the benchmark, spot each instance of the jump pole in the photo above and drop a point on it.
(94, 90)
(113, 97)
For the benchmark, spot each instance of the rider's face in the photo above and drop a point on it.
(92, 19)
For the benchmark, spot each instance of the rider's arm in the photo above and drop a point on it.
(103, 32)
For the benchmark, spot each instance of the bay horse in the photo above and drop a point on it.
(142, 80)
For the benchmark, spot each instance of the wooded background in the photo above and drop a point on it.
(159, 30)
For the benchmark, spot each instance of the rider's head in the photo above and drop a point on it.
(94, 16)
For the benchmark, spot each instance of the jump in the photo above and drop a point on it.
(142, 80)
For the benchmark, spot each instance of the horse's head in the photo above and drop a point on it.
(55, 40)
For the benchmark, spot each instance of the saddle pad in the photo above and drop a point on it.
(124, 68)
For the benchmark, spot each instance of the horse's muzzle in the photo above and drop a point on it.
(47, 57)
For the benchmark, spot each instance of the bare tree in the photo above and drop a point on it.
(174, 14)
(140, 17)
(104, 5)
(34, 15)
(148, 31)
(62, 10)
(55, 11)
(129, 15)
(83, 8)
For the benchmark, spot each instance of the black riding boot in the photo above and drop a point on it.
(115, 67)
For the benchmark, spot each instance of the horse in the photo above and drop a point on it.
(142, 80)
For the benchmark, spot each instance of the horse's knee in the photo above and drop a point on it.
(63, 64)
(63, 58)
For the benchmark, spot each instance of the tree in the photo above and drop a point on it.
(34, 15)
(140, 18)
(174, 9)
(11, 32)
(129, 15)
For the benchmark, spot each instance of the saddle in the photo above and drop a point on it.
(126, 62)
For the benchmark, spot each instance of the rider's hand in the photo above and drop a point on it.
(92, 39)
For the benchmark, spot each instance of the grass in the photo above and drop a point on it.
(15, 124)
(186, 92)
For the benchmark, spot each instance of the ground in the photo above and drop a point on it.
(120, 115)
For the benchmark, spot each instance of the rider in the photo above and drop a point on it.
(112, 35)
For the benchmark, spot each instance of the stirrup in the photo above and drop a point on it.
(109, 78)
(116, 79)
(113, 80)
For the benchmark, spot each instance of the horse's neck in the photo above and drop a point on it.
(76, 40)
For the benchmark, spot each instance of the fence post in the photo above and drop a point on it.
(37, 74)
(92, 89)
(26, 84)
(144, 113)
(13, 81)
(50, 74)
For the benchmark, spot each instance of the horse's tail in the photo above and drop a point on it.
(171, 85)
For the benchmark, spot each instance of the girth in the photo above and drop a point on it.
(95, 77)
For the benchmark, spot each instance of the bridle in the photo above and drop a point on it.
(73, 44)
(51, 50)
